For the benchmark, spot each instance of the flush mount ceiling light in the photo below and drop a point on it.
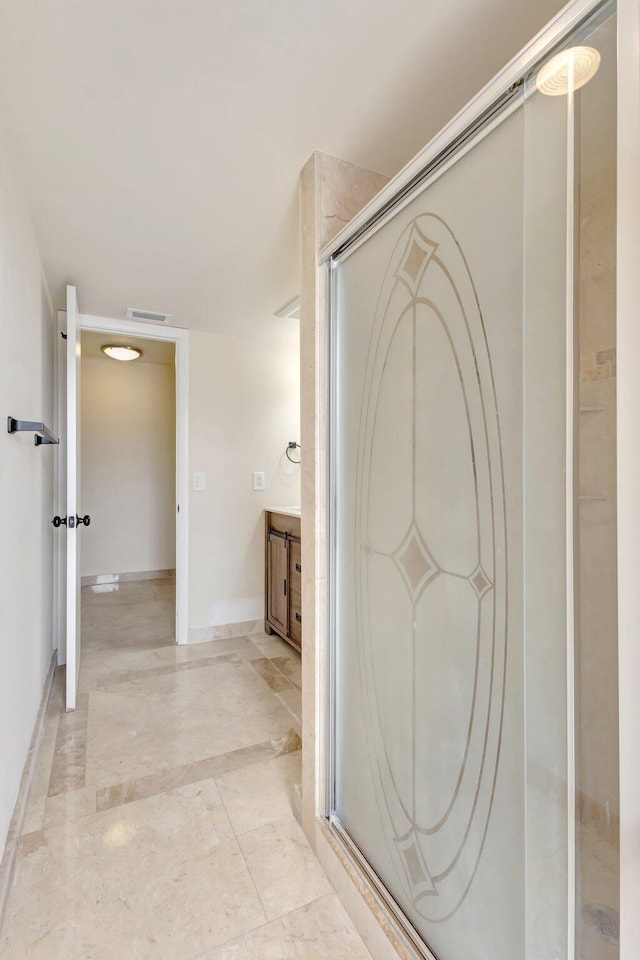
(120, 352)
(568, 70)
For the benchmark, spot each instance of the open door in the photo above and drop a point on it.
(73, 520)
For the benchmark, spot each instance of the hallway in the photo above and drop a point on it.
(160, 821)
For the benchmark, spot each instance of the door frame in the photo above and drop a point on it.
(180, 337)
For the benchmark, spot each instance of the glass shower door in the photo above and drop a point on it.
(455, 497)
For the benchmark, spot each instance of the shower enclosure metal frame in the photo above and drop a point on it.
(446, 147)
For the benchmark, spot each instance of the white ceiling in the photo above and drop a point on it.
(160, 141)
(153, 351)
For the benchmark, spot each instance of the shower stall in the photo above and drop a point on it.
(473, 704)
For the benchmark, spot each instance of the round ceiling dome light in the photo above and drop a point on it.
(118, 351)
(568, 70)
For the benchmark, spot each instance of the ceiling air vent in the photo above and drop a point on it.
(148, 316)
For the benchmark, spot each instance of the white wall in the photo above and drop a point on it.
(244, 403)
(26, 487)
(128, 466)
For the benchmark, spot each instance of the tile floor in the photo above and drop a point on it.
(160, 821)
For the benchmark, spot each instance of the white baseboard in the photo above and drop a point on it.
(95, 579)
(226, 631)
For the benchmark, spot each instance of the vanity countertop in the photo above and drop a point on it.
(287, 511)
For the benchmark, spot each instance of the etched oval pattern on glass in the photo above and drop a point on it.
(431, 559)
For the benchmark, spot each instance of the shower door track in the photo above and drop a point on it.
(473, 120)
(395, 914)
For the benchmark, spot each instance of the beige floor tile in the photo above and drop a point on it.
(273, 677)
(138, 728)
(98, 666)
(106, 596)
(158, 872)
(165, 669)
(292, 699)
(291, 667)
(260, 794)
(174, 777)
(284, 868)
(128, 624)
(70, 754)
(70, 805)
(319, 931)
(160, 878)
(275, 646)
(243, 647)
(34, 814)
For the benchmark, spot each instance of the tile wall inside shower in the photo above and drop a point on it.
(597, 635)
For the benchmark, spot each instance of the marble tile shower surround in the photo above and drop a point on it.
(598, 810)
(159, 823)
(332, 192)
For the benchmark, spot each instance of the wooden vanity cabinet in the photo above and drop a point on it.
(283, 577)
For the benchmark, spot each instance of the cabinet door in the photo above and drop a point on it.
(277, 581)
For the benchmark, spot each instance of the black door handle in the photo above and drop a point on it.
(73, 521)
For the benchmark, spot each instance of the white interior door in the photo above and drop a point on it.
(74, 521)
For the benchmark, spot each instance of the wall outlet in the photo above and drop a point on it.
(258, 480)
(199, 481)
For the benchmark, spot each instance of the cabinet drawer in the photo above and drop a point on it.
(295, 567)
(284, 524)
(295, 598)
(295, 624)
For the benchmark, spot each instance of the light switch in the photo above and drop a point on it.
(199, 481)
(258, 480)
